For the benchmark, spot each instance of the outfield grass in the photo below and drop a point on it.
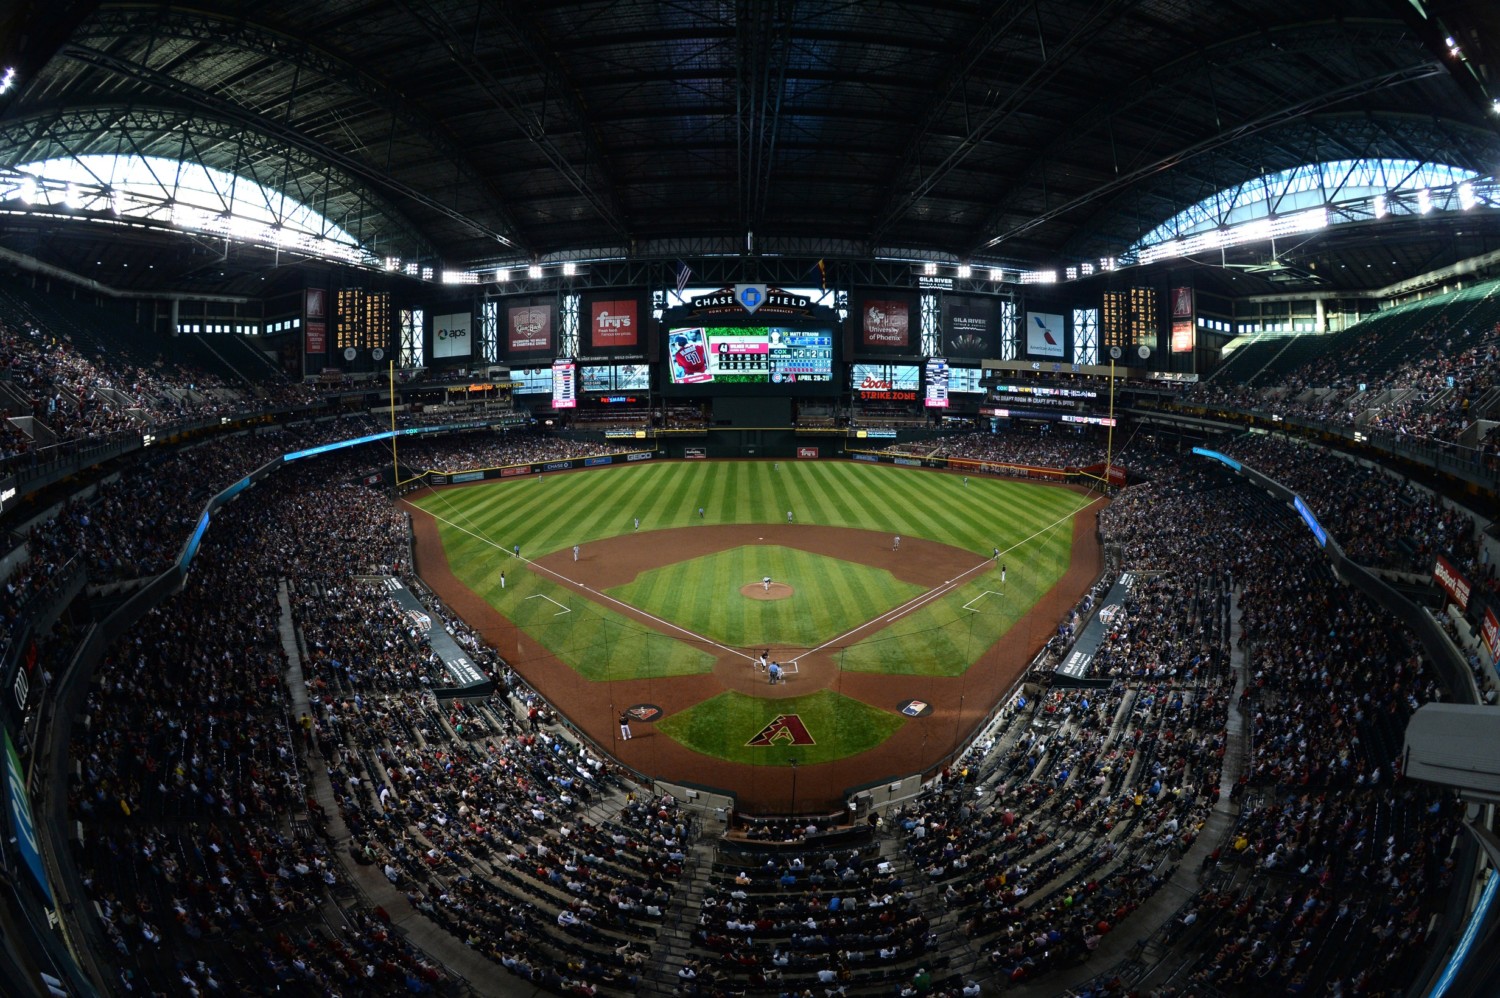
(721, 727)
(479, 525)
(703, 595)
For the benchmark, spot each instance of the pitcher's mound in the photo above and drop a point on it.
(758, 590)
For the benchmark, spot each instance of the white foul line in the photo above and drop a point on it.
(988, 592)
(549, 599)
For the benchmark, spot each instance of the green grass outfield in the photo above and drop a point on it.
(702, 594)
(480, 523)
(723, 725)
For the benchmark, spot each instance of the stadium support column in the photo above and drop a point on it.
(1109, 447)
(395, 464)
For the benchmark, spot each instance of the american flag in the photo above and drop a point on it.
(684, 274)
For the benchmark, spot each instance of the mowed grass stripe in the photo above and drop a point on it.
(830, 498)
(930, 512)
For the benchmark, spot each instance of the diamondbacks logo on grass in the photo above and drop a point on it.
(916, 708)
(645, 712)
(786, 729)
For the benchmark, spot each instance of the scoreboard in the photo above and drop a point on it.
(749, 355)
(362, 319)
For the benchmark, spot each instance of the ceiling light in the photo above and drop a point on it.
(8, 80)
(1466, 198)
(1424, 201)
(964, 270)
(570, 268)
(996, 274)
(534, 271)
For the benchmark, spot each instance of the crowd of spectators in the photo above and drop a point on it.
(1075, 810)
(1421, 381)
(1328, 879)
(819, 919)
(1380, 521)
(484, 449)
(1021, 447)
(82, 394)
(188, 769)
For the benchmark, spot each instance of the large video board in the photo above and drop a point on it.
(749, 355)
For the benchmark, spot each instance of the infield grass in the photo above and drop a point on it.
(703, 595)
(723, 725)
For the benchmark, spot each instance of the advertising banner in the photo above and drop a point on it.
(468, 678)
(695, 453)
(1183, 339)
(1078, 665)
(22, 827)
(450, 335)
(614, 324)
(1182, 303)
(1044, 334)
(1489, 631)
(886, 323)
(317, 303)
(530, 328)
(1451, 581)
(807, 453)
(1117, 472)
(969, 327)
(317, 338)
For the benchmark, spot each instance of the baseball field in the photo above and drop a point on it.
(876, 591)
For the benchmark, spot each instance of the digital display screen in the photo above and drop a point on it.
(903, 377)
(937, 384)
(615, 377)
(886, 382)
(749, 355)
(965, 380)
(534, 380)
(564, 384)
